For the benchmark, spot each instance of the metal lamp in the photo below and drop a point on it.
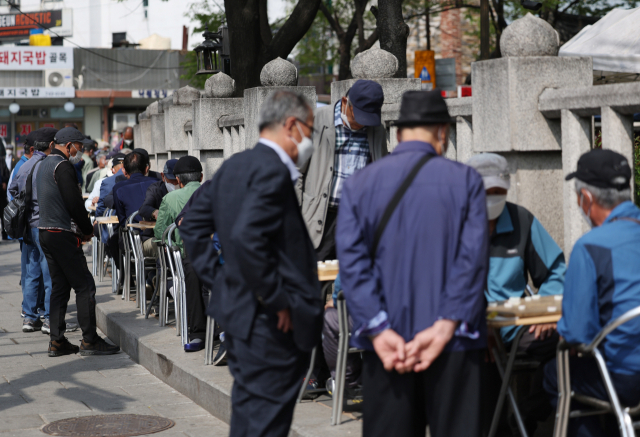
(207, 53)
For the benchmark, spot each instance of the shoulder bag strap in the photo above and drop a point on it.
(28, 186)
(395, 200)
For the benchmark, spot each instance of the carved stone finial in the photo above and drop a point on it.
(185, 95)
(152, 109)
(374, 63)
(219, 85)
(279, 73)
(529, 36)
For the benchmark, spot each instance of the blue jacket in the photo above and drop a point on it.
(520, 247)
(129, 195)
(105, 188)
(14, 173)
(433, 257)
(602, 283)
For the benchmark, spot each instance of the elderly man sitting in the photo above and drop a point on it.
(602, 283)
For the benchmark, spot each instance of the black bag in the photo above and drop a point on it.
(15, 213)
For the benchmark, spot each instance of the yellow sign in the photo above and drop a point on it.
(425, 68)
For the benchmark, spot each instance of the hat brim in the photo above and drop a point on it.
(495, 182)
(571, 176)
(366, 118)
(169, 175)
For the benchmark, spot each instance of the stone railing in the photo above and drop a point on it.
(531, 106)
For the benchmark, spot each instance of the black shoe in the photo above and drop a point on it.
(100, 347)
(62, 347)
(31, 325)
(221, 357)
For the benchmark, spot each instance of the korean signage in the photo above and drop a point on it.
(151, 94)
(36, 58)
(4, 130)
(24, 129)
(16, 25)
(37, 93)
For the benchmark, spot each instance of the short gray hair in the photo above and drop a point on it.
(606, 197)
(41, 146)
(281, 105)
(185, 178)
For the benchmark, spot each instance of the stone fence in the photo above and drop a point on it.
(531, 106)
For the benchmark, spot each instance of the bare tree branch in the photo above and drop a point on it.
(333, 22)
(265, 29)
(294, 28)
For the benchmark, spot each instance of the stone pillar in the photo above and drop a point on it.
(576, 140)
(209, 137)
(617, 135)
(145, 130)
(276, 75)
(380, 66)
(464, 139)
(177, 115)
(506, 118)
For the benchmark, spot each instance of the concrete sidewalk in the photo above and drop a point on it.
(36, 389)
(160, 351)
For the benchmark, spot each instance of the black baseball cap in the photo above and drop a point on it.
(366, 98)
(69, 135)
(187, 164)
(603, 168)
(42, 135)
(118, 158)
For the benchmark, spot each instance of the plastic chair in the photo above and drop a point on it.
(565, 395)
(341, 363)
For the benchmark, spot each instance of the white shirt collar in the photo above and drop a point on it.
(286, 159)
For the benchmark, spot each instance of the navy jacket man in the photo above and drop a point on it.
(129, 194)
(420, 303)
(601, 284)
(266, 295)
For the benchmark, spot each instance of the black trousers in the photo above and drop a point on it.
(327, 248)
(268, 370)
(196, 316)
(446, 397)
(68, 269)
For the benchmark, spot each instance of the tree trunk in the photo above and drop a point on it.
(252, 45)
(393, 32)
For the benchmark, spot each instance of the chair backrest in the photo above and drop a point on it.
(610, 327)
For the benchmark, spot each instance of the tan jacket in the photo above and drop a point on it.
(314, 186)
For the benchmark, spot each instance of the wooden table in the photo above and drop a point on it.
(520, 312)
(113, 220)
(142, 225)
(327, 271)
(85, 196)
(91, 208)
(524, 311)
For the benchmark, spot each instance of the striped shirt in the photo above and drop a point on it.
(352, 154)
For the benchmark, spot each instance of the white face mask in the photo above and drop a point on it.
(495, 205)
(170, 187)
(128, 142)
(305, 148)
(584, 215)
(345, 119)
(75, 159)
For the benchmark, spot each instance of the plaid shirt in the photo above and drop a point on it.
(352, 154)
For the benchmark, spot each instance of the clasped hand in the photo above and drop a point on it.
(416, 355)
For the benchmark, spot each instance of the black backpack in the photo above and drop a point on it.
(15, 213)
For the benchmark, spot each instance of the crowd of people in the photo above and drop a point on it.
(423, 244)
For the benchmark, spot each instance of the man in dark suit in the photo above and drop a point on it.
(266, 294)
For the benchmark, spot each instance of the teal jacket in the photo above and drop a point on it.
(522, 247)
(169, 209)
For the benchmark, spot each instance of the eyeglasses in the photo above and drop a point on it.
(313, 131)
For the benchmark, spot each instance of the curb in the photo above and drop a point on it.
(158, 350)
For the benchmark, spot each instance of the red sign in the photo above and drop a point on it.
(464, 91)
(25, 128)
(4, 130)
(53, 125)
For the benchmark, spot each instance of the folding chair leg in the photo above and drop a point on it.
(94, 257)
(505, 381)
(625, 424)
(307, 377)
(512, 400)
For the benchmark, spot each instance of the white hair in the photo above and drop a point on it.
(606, 197)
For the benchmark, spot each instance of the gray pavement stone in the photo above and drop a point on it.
(36, 389)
